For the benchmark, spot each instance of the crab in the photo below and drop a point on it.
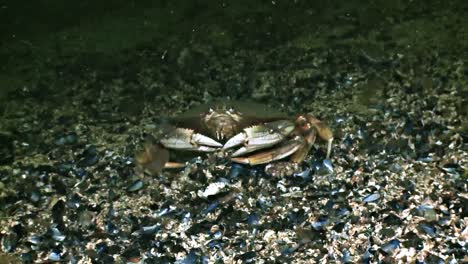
(259, 134)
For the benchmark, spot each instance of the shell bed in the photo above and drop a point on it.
(391, 86)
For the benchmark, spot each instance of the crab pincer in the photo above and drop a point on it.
(187, 139)
(260, 136)
(284, 150)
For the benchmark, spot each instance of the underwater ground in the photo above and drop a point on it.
(83, 84)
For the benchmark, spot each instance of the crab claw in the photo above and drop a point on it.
(187, 139)
(261, 136)
(284, 150)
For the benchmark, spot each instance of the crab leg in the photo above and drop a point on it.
(261, 136)
(329, 146)
(154, 158)
(323, 131)
(302, 152)
(187, 139)
(173, 165)
(286, 149)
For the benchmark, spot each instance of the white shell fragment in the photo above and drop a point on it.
(213, 189)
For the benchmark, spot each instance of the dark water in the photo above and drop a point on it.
(83, 83)
(51, 36)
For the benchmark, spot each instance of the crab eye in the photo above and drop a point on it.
(230, 110)
(210, 110)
